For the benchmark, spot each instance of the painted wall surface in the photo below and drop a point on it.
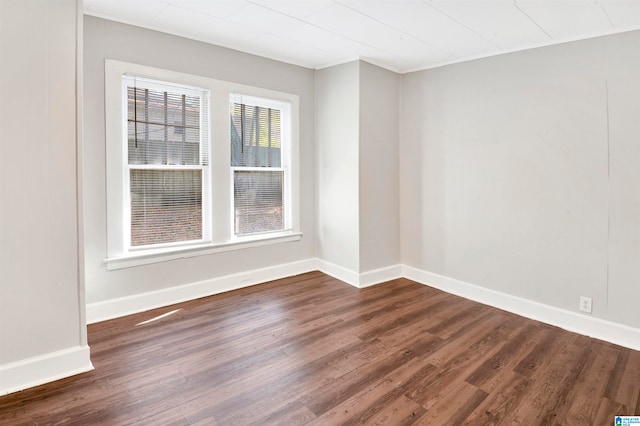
(520, 174)
(40, 295)
(379, 163)
(109, 40)
(337, 164)
(623, 68)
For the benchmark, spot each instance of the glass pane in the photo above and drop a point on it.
(258, 201)
(175, 109)
(192, 111)
(163, 128)
(191, 147)
(255, 136)
(131, 102)
(166, 206)
(155, 107)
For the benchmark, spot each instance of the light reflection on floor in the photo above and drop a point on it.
(158, 317)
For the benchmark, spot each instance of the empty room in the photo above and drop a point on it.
(319, 212)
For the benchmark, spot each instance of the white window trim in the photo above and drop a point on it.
(127, 167)
(185, 252)
(222, 236)
(285, 166)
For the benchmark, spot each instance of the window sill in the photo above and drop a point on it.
(157, 256)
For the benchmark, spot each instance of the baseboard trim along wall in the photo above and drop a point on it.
(572, 321)
(360, 280)
(115, 308)
(339, 272)
(42, 369)
(618, 334)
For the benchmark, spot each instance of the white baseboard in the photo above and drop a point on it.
(42, 369)
(115, 308)
(360, 280)
(381, 275)
(572, 321)
(343, 274)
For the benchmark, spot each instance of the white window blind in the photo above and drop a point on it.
(259, 147)
(166, 182)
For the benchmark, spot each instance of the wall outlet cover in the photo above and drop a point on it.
(585, 304)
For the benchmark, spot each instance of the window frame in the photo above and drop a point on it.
(285, 161)
(222, 238)
(204, 157)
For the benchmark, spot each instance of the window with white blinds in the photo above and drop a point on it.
(194, 167)
(166, 176)
(260, 140)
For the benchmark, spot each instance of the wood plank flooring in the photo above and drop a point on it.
(312, 350)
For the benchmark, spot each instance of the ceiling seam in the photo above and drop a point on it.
(601, 6)
(395, 29)
(463, 25)
(254, 29)
(315, 26)
(533, 21)
(165, 5)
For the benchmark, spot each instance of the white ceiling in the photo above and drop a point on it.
(401, 35)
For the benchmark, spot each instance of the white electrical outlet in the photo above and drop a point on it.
(585, 304)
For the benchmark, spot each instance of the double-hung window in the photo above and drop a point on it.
(260, 144)
(196, 165)
(166, 176)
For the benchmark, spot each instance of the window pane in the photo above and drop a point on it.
(175, 109)
(255, 136)
(154, 106)
(166, 206)
(192, 111)
(163, 127)
(258, 201)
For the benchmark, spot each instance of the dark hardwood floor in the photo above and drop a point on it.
(313, 350)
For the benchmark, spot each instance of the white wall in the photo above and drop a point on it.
(109, 40)
(379, 168)
(337, 162)
(622, 71)
(357, 122)
(42, 331)
(506, 180)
